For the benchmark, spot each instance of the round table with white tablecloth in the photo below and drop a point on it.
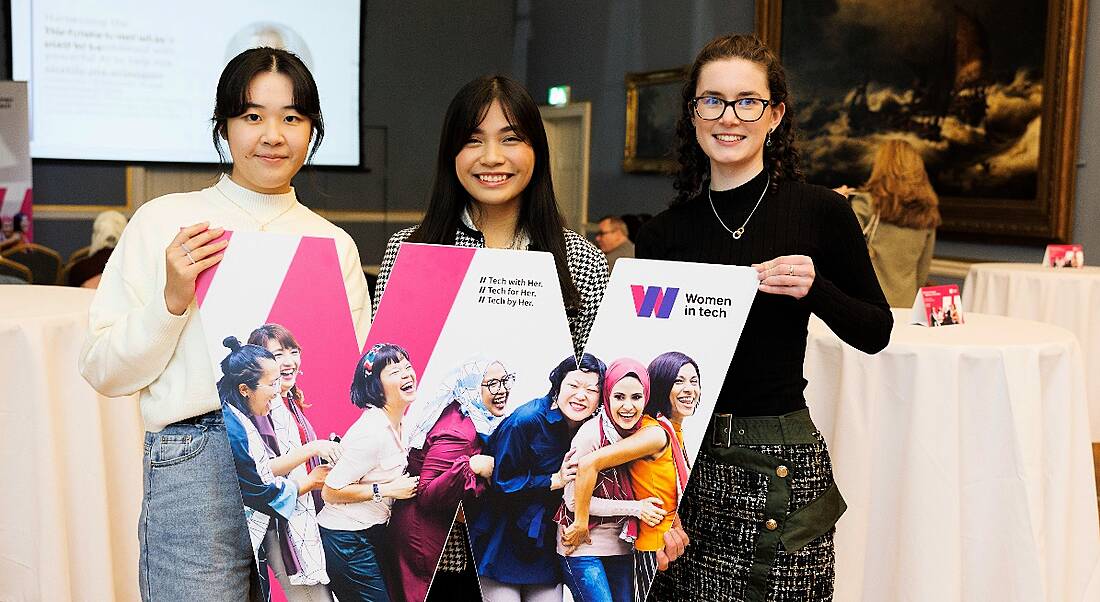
(1066, 297)
(72, 458)
(963, 452)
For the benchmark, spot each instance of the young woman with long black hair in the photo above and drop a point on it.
(493, 189)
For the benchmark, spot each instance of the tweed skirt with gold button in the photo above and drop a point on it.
(760, 509)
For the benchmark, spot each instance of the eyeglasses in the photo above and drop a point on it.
(275, 385)
(711, 108)
(495, 384)
(600, 233)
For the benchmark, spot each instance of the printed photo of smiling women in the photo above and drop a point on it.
(283, 351)
(668, 331)
(483, 328)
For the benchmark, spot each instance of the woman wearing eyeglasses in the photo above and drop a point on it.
(445, 452)
(368, 477)
(761, 505)
(278, 512)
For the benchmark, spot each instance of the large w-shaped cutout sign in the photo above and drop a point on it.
(490, 405)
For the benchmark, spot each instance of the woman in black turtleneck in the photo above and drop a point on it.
(761, 504)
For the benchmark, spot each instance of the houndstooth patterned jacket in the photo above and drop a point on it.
(587, 267)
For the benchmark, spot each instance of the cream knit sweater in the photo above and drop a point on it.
(135, 345)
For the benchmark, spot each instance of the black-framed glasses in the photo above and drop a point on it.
(495, 384)
(711, 108)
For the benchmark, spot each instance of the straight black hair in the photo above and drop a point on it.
(538, 213)
(587, 363)
(366, 385)
(232, 95)
(241, 366)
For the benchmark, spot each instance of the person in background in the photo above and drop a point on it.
(7, 229)
(899, 212)
(13, 230)
(106, 230)
(634, 223)
(612, 239)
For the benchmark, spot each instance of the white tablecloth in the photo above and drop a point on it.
(964, 455)
(71, 458)
(1065, 297)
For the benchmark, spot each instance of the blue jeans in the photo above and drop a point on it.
(353, 564)
(192, 531)
(599, 578)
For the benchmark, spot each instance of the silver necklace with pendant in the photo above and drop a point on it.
(738, 233)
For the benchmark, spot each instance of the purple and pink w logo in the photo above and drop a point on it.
(653, 301)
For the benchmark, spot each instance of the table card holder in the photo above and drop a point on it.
(1064, 256)
(938, 306)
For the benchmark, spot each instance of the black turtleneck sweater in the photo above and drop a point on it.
(765, 376)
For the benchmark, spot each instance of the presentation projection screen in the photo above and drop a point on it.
(134, 80)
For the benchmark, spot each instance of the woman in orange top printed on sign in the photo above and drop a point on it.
(658, 465)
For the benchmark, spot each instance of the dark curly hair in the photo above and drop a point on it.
(781, 159)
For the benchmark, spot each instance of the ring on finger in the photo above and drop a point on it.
(790, 269)
(185, 248)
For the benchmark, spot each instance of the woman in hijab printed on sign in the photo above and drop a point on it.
(445, 452)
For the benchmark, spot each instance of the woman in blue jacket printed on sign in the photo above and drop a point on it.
(514, 531)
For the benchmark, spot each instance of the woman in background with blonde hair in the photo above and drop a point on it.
(106, 230)
(899, 213)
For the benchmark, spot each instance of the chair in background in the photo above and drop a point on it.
(43, 262)
(15, 270)
(78, 254)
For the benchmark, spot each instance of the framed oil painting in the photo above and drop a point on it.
(652, 102)
(987, 90)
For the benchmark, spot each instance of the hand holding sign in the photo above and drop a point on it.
(791, 275)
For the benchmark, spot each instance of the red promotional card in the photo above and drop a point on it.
(938, 306)
(1064, 256)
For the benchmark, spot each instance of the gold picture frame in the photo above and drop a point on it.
(1035, 205)
(652, 108)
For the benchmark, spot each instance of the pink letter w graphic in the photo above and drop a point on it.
(650, 298)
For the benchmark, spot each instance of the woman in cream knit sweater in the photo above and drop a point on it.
(145, 334)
